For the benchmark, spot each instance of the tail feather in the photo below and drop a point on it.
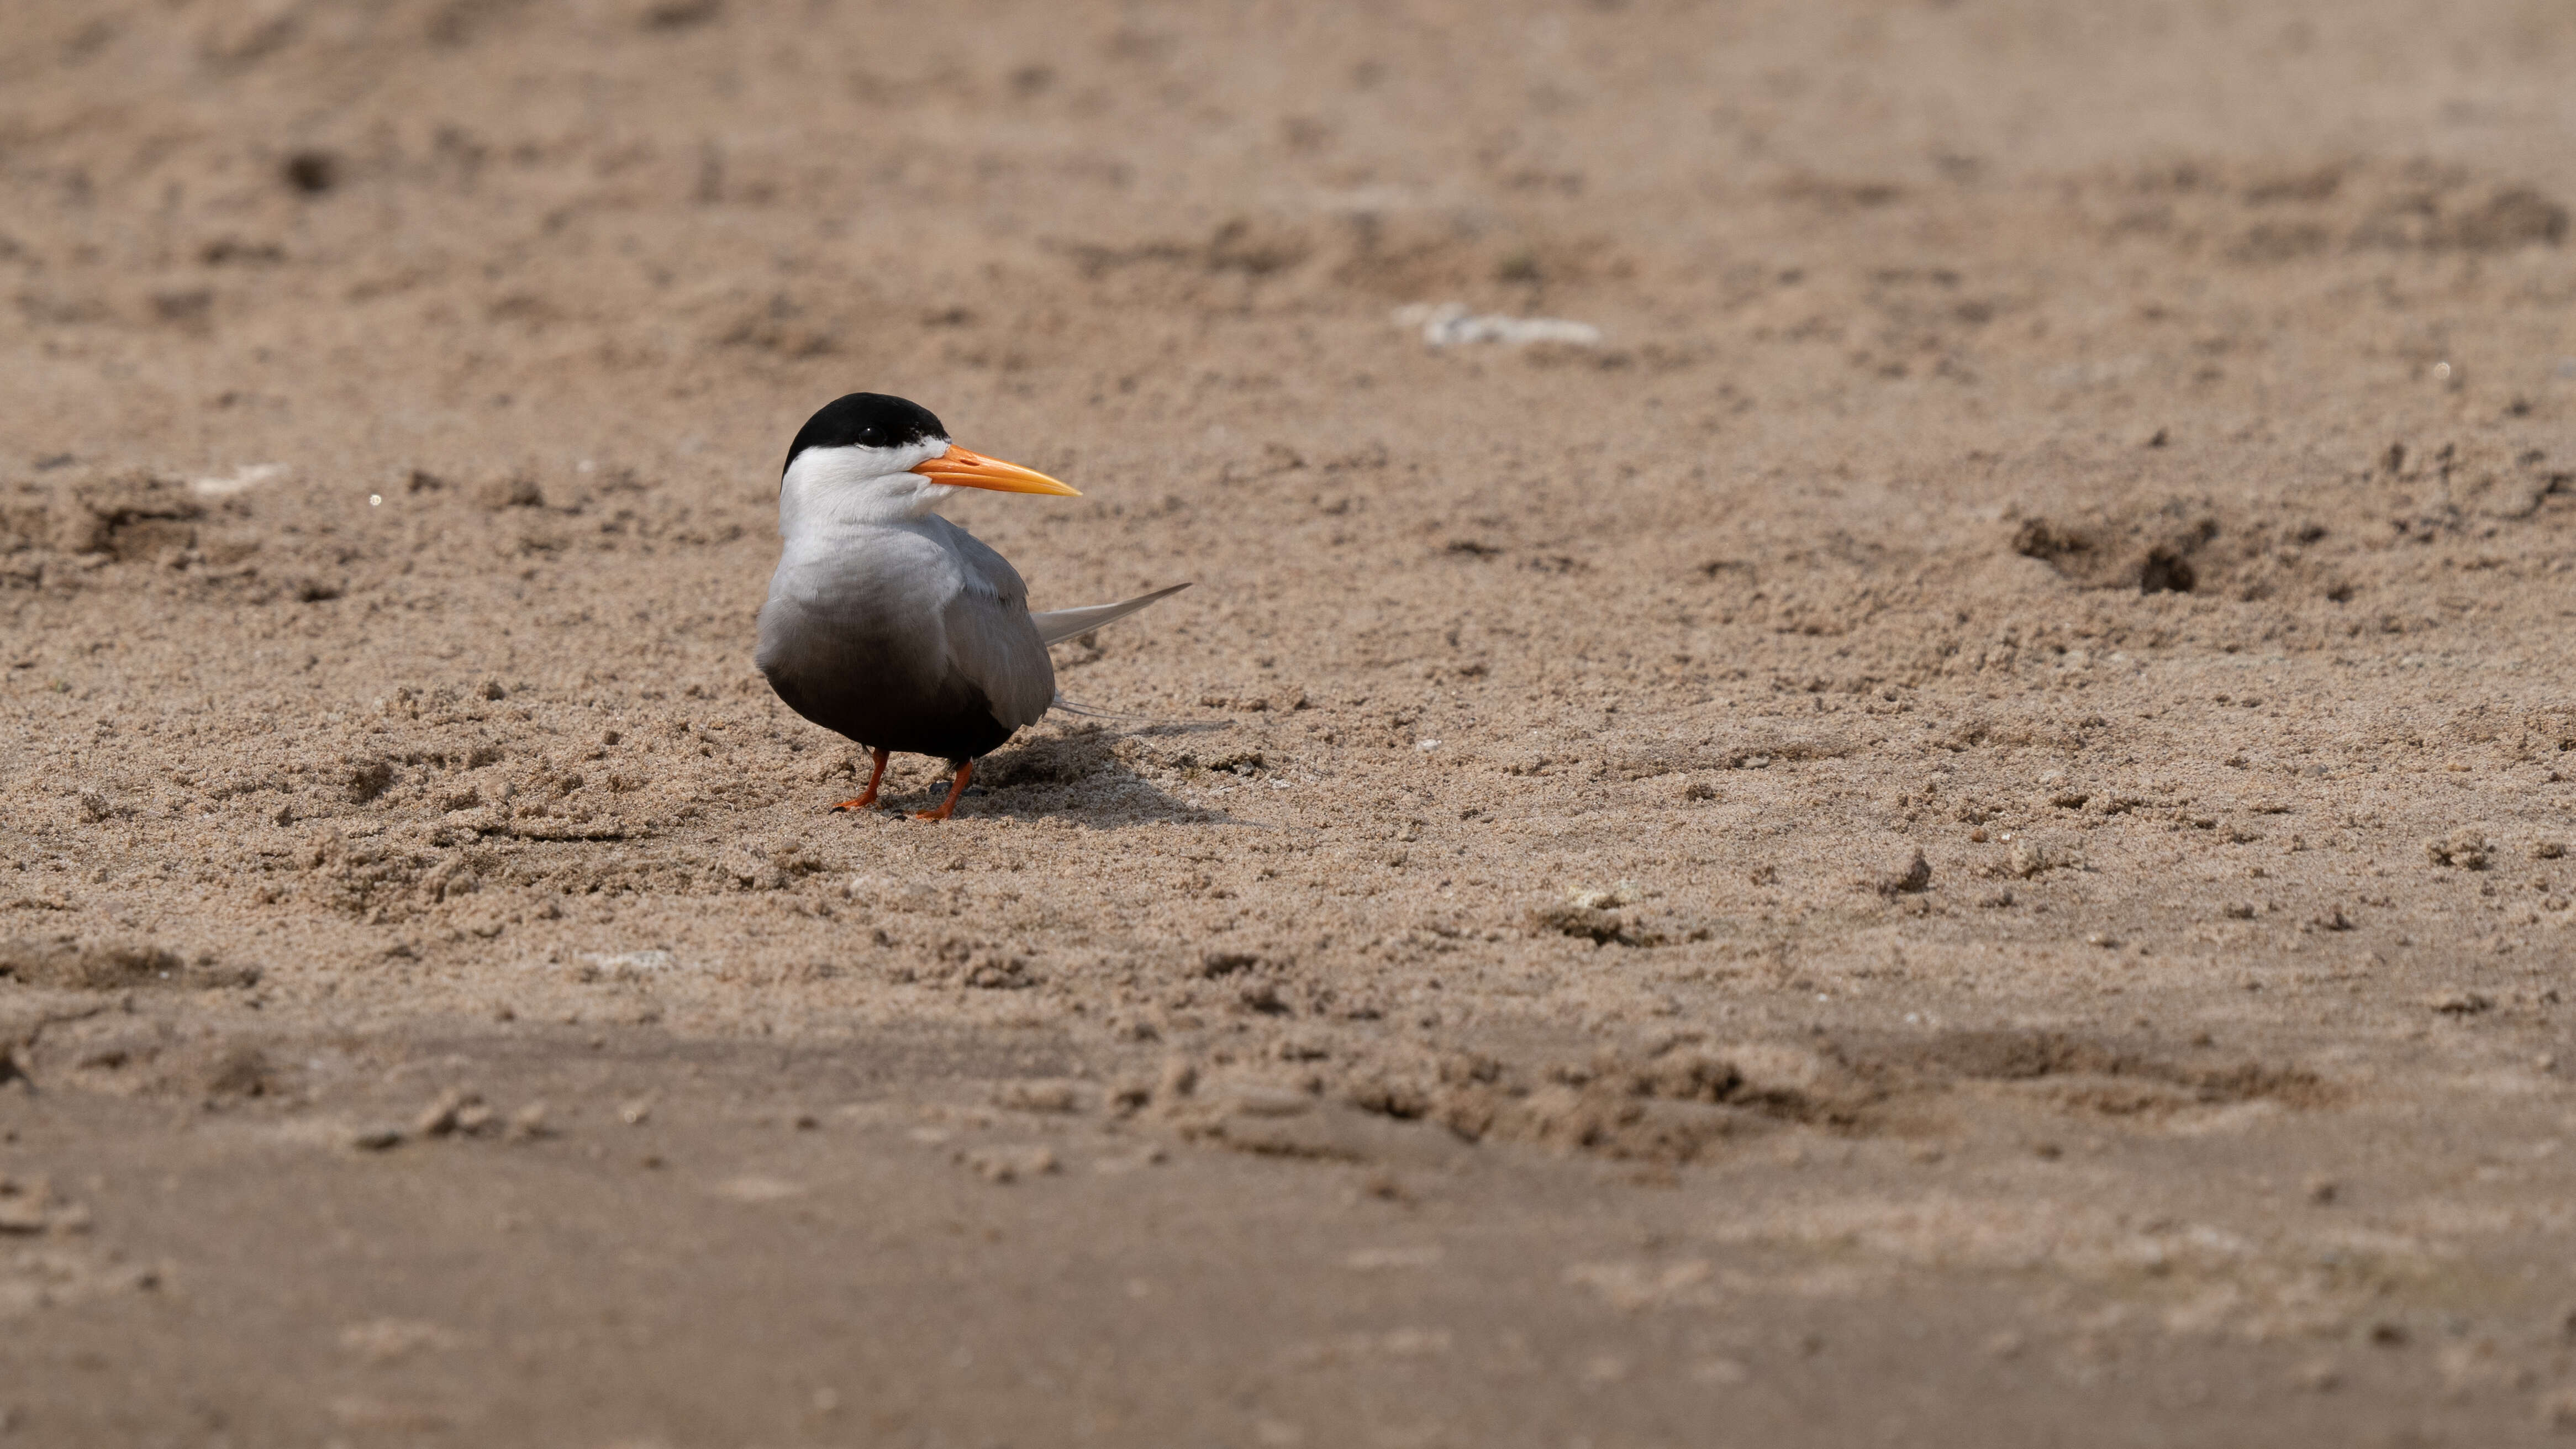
(1057, 625)
(1070, 706)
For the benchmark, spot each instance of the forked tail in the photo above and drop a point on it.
(1057, 625)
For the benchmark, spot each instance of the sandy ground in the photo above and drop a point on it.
(1473, 983)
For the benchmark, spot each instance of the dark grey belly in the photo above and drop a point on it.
(866, 685)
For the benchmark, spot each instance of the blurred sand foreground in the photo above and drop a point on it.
(1482, 991)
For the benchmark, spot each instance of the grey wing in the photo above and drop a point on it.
(991, 639)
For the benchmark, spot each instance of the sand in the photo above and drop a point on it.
(1954, 833)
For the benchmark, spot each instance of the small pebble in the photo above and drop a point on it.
(1912, 878)
(450, 1112)
(2029, 858)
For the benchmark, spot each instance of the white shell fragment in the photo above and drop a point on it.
(1450, 324)
(240, 480)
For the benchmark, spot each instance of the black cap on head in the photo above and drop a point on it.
(864, 420)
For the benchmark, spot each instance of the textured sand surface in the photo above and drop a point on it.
(1957, 834)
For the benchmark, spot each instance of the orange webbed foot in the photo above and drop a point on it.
(957, 787)
(870, 797)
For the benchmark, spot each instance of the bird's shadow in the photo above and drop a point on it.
(1080, 774)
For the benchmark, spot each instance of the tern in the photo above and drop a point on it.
(888, 623)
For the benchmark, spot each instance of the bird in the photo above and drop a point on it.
(891, 625)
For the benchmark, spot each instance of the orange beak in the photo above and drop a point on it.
(962, 469)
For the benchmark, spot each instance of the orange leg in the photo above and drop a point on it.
(965, 771)
(870, 798)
